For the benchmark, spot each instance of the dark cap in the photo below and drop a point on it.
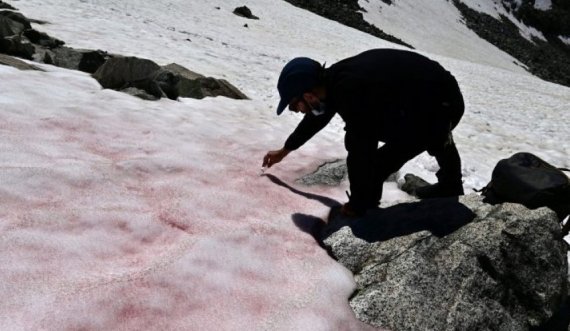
(297, 77)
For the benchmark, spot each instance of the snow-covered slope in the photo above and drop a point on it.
(118, 213)
(435, 26)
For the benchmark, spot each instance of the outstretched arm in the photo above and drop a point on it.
(273, 157)
(306, 129)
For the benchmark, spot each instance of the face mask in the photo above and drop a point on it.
(319, 110)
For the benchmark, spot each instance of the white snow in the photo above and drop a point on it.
(543, 4)
(119, 213)
(565, 39)
(496, 9)
(433, 26)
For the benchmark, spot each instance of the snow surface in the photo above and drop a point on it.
(436, 26)
(543, 4)
(119, 213)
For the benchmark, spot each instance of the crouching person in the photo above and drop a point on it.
(400, 98)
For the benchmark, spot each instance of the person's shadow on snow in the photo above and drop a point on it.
(440, 216)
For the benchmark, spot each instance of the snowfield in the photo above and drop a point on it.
(119, 213)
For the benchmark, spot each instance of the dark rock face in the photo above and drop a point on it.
(245, 12)
(346, 12)
(547, 60)
(449, 264)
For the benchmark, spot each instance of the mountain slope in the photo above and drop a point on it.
(119, 213)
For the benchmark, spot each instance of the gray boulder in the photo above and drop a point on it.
(16, 17)
(453, 264)
(197, 86)
(171, 81)
(118, 72)
(17, 46)
(12, 42)
(330, 174)
(85, 60)
(42, 39)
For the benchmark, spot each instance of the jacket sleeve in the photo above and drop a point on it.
(307, 128)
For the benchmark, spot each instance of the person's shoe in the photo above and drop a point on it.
(438, 190)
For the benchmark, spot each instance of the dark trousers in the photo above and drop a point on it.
(391, 157)
(408, 125)
(431, 133)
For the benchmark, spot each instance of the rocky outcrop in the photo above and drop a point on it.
(453, 264)
(347, 12)
(135, 76)
(549, 60)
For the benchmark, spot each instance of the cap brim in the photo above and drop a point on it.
(281, 107)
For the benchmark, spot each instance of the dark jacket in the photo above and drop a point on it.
(386, 95)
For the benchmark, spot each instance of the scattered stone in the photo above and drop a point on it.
(453, 264)
(245, 12)
(246, 26)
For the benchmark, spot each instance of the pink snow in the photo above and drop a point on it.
(123, 214)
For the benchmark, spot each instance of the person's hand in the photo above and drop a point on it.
(273, 157)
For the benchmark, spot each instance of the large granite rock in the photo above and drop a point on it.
(118, 72)
(171, 81)
(85, 60)
(197, 86)
(453, 264)
(330, 173)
